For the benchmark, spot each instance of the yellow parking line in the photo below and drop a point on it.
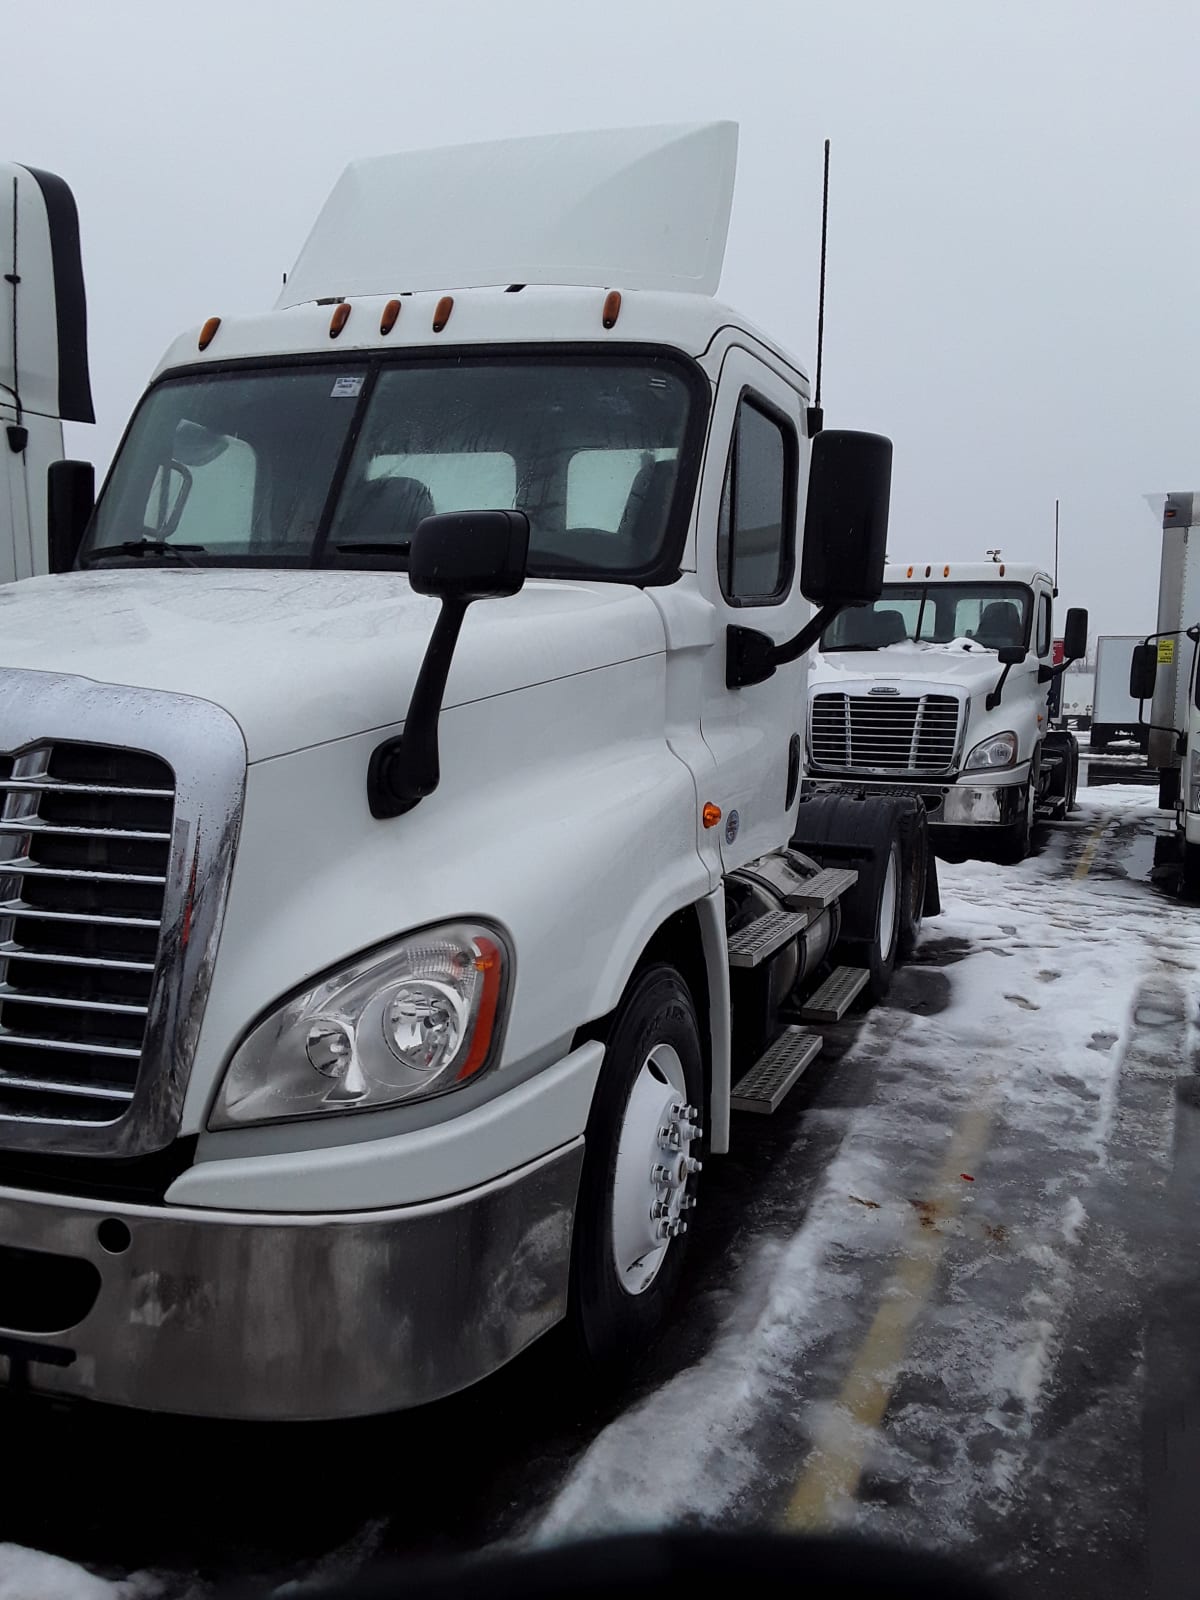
(1089, 851)
(831, 1474)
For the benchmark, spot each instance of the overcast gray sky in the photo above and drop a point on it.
(1013, 285)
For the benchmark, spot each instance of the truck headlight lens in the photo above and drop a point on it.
(413, 1020)
(998, 751)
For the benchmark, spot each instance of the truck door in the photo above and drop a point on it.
(748, 544)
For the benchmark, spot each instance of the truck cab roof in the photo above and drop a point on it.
(964, 572)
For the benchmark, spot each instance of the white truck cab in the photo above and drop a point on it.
(940, 688)
(44, 378)
(406, 876)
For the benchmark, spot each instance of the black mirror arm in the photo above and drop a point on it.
(406, 768)
(997, 694)
(1048, 674)
(752, 657)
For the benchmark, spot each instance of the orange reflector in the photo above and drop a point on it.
(390, 313)
(208, 332)
(711, 814)
(1039, 716)
(945, 572)
(489, 964)
(1002, 570)
(339, 319)
(910, 572)
(442, 315)
(612, 308)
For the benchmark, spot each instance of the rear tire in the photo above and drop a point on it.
(623, 1276)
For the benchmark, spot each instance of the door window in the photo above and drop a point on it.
(756, 527)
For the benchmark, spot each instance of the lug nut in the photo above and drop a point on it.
(674, 1229)
(668, 1137)
(660, 1208)
(688, 1203)
(691, 1164)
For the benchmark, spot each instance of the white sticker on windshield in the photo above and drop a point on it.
(346, 386)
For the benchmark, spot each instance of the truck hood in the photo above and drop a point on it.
(300, 658)
(928, 668)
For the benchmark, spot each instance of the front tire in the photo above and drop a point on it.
(1191, 871)
(638, 1187)
(1015, 842)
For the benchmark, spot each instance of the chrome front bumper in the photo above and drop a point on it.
(251, 1315)
(949, 805)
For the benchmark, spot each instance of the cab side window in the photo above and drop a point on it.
(1043, 626)
(756, 529)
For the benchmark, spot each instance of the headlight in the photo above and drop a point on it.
(414, 1020)
(998, 751)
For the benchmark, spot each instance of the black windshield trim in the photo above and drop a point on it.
(664, 570)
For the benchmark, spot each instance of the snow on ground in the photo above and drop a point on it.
(952, 1286)
(32, 1575)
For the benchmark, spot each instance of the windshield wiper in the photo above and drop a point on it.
(145, 547)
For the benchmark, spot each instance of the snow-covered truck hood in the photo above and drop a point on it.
(300, 658)
(909, 668)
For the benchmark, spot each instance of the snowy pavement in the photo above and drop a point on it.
(944, 1297)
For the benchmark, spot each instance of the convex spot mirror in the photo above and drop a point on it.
(846, 519)
(1143, 671)
(470, 555)
(1011, 655)
(1075, 635)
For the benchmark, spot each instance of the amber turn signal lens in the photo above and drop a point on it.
(711, 814)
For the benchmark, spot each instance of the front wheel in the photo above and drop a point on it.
(1013, 845)
(640, 1170)
(1191, 871)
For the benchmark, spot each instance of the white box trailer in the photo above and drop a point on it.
(1163, 678)
(44, 379)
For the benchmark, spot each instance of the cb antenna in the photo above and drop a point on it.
(816, 416)
(1056, 547)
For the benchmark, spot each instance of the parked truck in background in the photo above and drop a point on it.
(1115, 726)
(939, 689)
(44, 379)
(406, 874)
(1163, 680)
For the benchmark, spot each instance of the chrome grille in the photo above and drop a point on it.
(85, 836)
(884, 733)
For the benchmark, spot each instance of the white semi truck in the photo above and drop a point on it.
(1163, 679)
(406, 876)
(939, 689)
(44, 378)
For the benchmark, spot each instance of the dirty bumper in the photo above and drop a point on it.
(251, 1315)
(949, 805)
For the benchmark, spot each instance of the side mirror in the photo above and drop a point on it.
(1075, 635)
(460, 556)
(846, 520)
(1012, 655)
(1143, 671)
(70, 500)
(470, 555)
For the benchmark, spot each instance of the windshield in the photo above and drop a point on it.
(993, 614)
(335, 465)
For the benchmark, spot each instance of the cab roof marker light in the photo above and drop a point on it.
(1002, 569)
(928, 572)
(391, 314)
(339, 319)
(945, 572)
(208, 333)
(442, 315)
(612, 308)
(910, 572)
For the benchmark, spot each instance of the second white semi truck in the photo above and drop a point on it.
(939, 689)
